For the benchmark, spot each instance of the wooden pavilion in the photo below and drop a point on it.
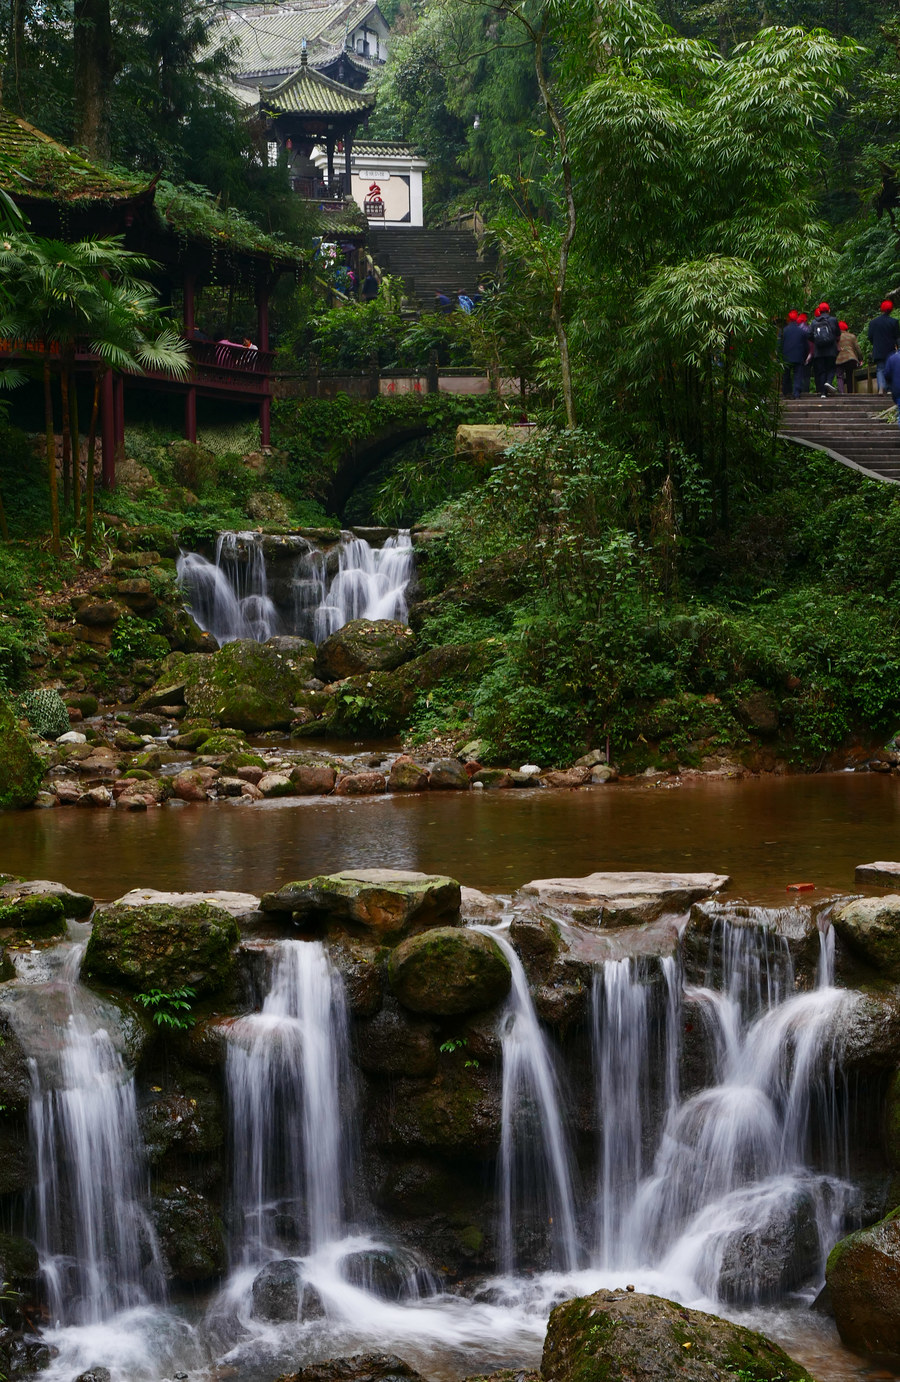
(309, 109)
(194, 243)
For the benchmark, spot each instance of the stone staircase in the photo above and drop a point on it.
(850, 428)
(428, 261)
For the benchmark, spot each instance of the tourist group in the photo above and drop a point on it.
(825, 349)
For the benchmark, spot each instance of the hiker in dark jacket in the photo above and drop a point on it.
(825, 334)
(794, 350)
(892, 379)
(884, 333)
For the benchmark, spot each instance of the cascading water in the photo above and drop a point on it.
(732, 1176)
(97, 1247)
(229, 597)
(287, 1069)
(536, 1191)
(370, 583)
(232, 596)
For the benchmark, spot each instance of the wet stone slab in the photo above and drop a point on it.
(620, 898)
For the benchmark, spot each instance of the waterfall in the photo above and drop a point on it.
(232, 596)
(287, 1070)
(733, 1170)
(97, 1248)
(627, 1062)
(536, 1191)
(370, 583)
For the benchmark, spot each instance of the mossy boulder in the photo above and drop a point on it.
(622, 1336)
(385, 903)
(21, 768)
(448, 971)
(361, 1367)
(20, 890)
(870, 927)
(863, 1277)
(35, 916)
(245, 685)
(191, 1235)
(160, 946)
(365, 645)
(457, 1114)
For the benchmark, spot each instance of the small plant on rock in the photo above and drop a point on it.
(171, 1009)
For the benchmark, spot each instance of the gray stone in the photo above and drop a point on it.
(242, 906)
(621, 899)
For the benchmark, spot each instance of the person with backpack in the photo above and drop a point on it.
(884, 333)
(891, 372)
(794, 350)
(825, 336)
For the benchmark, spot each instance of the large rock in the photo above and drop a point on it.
(242, 906)
(883, 871)
(163, 946)
(388, 903)
(280, 1294)
(21, 770)
(621, 899)
(863, 1277)
(362, 1367)
(245, 685)
(190, 1234)
(365, 645)
(869, 1033)
(448, 971)
(456, 1114)
(870, 927)
(391, 1043)
(622, 1336)
(77, 905)
(769, 934)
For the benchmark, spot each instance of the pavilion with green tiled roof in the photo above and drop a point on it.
(191, 238)
(307, 109)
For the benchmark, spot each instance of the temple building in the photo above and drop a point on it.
(195, 245)
(343, 41)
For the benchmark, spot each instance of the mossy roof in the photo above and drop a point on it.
(34, 167)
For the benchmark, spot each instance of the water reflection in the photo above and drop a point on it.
(766, 833)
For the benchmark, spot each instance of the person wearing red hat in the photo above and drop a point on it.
(825, 335)
(884, 333)
(794, 350)
(803, 320)
(849, 358)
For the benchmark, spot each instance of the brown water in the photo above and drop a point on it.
(766, 833)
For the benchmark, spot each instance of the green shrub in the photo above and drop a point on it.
(45, 711)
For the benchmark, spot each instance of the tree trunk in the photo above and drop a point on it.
(51, 460)
(94, 68)
(4, 527)
(557, 318)
(76, 448)
(91, 451)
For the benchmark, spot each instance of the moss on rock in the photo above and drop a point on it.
(163, 947)
(448, 971)
(870, 927)
(622, 1336)
(245, 685)
(36, 916)
(365, 645)
(388, 903)
(21, 769)
(863, 1277)
(191, 1235)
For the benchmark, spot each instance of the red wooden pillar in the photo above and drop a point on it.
(190, 414)
(108, 431)
(262, 341)
(119, 402)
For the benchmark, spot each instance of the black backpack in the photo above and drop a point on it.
(823, 332)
